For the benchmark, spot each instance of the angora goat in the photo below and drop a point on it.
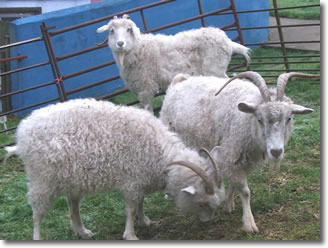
(149, 62)
(88, 146)
(249, 123)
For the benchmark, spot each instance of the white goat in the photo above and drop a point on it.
(248, 123)
(149, 62)
(88, 146)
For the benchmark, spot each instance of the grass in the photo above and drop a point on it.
(8, 137)
(310, 13)
(130, 97)
(275, 66)
(286, 206)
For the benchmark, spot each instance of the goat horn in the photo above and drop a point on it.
(283, 79)
(215, 165)
(256, 79)
(200, 172)
(102, 43)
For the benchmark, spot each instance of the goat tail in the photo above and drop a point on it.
(240, 49)
(11, 151)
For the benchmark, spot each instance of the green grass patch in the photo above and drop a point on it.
(129, 97)
(9, 137)
(312, 13)
(269, 61)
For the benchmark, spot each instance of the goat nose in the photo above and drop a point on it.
(120, 43)
(276, 152)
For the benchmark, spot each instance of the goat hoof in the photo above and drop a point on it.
(85, 234)
(129, 236)
(250, 228)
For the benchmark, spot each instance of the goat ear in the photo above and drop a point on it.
(300, 110)
(102, 29)
(246, 107)
(190, 190)
(115, 17)
(136, 31)
(126, 16)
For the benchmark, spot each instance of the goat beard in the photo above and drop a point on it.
(120, 57)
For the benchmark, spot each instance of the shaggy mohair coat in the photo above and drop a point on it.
(246, 136)
(86, 146)
(149, 62)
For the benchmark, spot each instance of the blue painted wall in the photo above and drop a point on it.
(82, 38)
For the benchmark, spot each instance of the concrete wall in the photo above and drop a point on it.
(82, 38)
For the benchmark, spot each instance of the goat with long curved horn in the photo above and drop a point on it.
(256, 78)
(283, 79)
(247, 126)
(209, 182)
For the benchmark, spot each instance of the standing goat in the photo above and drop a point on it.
(88, 146)
(248, 122)
(149, 62)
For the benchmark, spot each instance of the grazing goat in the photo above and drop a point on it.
(86, 146)
(149, 62)
(248, 123)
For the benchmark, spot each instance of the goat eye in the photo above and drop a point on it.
(112, 31)
(260, 121)
(130, 30)
(289, 119)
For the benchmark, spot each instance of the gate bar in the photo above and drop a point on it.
(20, 57)
(263, 10)
(144, 20)
(201, 12)
(30, 106)
(23, 68)
(28, 89)
(21, 42)
(234, 10)
(109, 17)
(53, 62)
(194, 18)
(281, 36)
